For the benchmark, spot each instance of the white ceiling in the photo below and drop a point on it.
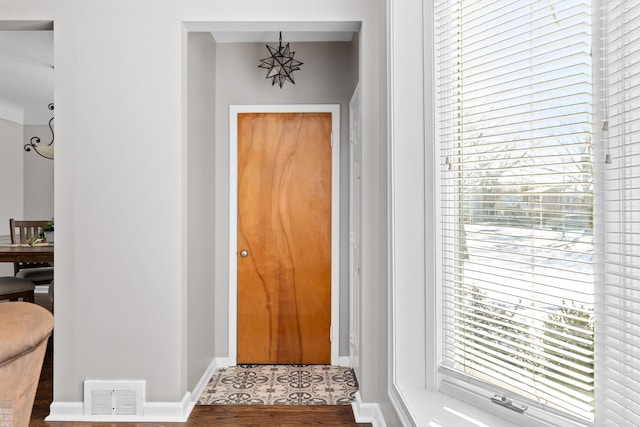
(26, 67)
(273, 36)
(26, 56)
(268, 31)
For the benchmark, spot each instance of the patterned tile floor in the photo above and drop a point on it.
(281, 385)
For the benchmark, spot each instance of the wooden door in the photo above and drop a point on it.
(284, 238)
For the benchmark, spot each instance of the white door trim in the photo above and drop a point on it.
(234, 110)
(355, 161)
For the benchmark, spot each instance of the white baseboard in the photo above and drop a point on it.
(152, 412)
(367, 412)
(344, 361)
(65, 411)
(223, 362)
(167, 411)
(215, 364)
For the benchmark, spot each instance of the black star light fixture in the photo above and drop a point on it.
(280, 64)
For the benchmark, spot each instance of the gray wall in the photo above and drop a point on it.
(11, 165)
(375, 340)
(38, 177)
(11, 181)
(200, 195)
(326, 77)
(121, 92)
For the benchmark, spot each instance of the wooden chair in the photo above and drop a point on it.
(14, 289)
(22, 231)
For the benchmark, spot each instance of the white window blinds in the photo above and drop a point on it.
(619, 331)
(514, 114)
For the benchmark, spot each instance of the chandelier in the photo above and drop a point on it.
(43, 150)
(280, 64)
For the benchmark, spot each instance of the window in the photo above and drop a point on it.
(514, 104)
(540, 201)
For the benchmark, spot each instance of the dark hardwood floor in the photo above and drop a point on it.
(214, 415)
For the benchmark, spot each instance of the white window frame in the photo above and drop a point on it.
(416, 393)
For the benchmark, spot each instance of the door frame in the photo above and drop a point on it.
(355, 276)
(234, 110)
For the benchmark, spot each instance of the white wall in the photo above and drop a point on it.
(120, 197)
(326, 77)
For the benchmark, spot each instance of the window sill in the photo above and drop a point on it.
(434, 409)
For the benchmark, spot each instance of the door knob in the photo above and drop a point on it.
(244, 253)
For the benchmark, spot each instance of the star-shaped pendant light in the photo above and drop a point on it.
(280, 64)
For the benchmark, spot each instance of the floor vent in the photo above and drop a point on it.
(113, 398)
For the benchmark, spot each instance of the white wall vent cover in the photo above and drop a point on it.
(113, 398)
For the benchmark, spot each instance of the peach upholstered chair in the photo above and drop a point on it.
(24, 332)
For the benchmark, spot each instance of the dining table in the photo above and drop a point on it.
(20, 252)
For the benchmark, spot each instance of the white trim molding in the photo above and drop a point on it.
(367, 412)
(66, 411)
(345, 361)
(152, 412)
(399, 404)
(204, 379)
(223, 362)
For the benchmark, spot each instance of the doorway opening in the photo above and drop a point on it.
(334, 111)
